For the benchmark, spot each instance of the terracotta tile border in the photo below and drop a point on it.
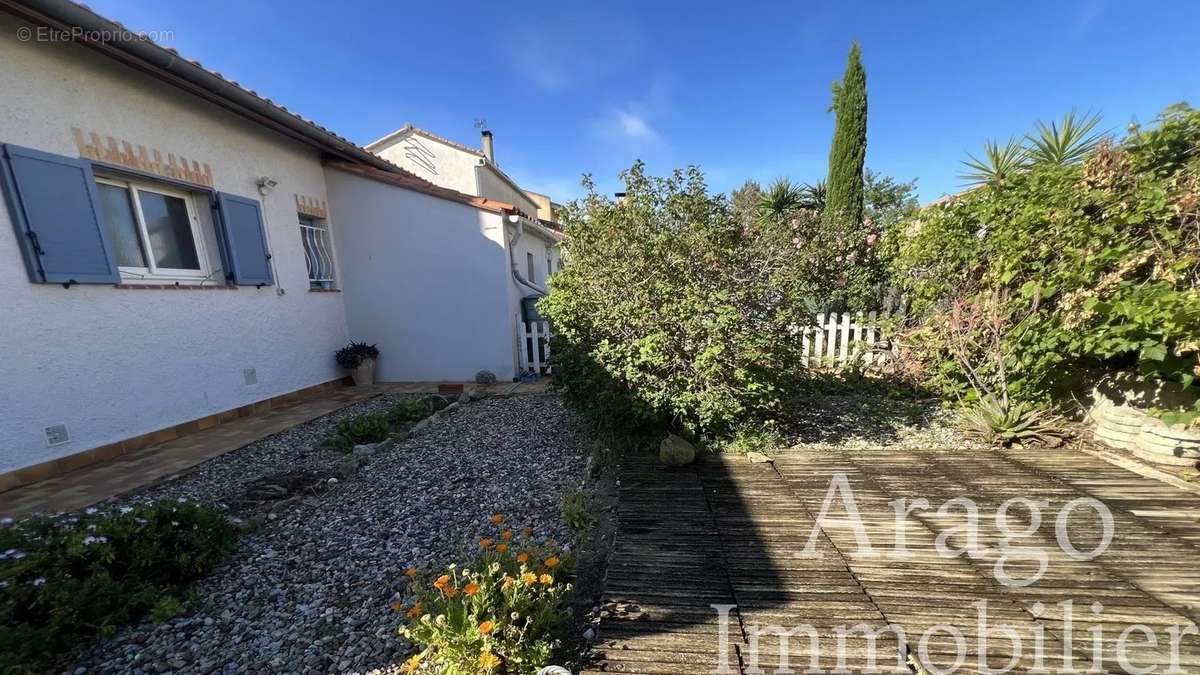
(174, 287)
(57, 467)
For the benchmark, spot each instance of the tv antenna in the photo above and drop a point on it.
(480, 123)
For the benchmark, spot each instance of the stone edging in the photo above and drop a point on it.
(1141, 469)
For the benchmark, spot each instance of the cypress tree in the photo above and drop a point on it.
(849, 150)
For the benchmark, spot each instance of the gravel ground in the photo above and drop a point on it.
(224, 478)
(870, 420)
(309, 590)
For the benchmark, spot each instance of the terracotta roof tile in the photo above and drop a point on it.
(412, 182)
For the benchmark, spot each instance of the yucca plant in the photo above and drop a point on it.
(1065, 142)
(998, 162)
(992, 421)
(813, 196)
(780, 199)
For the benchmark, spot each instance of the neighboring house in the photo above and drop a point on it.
(535, 246)
(179, 251)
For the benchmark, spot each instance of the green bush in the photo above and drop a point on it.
(577, 511)
(67, 579)
(408, 411)
(671, 311)
(1097, 264)
(361, 429)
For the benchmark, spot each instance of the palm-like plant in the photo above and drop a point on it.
(998, 162)
(780, 199)
(813, 195)
(1065, 142)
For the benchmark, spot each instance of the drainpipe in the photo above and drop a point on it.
(515, 268)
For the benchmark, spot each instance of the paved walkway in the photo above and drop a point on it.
(729, 532)
(163, 461)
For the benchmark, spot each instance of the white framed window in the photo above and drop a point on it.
(318, 253)
(154, 230)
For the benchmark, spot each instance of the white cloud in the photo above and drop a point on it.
(635, 126)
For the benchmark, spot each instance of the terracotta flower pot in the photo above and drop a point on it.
(364, 374)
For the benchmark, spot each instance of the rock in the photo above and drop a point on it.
(348, 468)
(464, 397)
(758, 458)
(437, 402)
(332, 481)
(485, 377)
(589, 634)
(676, 451)
(365, 450)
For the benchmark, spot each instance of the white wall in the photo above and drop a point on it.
(436, 162)
(424, 279)
(110, 363)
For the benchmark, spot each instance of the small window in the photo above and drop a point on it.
(318, 252)
(549, 267)
(154, 230)
(529, 267)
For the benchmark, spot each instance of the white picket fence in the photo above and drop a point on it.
(533, 346)
(837, 338)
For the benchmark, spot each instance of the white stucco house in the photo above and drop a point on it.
(179, 251)
(474, 171)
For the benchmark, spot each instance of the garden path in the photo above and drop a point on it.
(730, 532)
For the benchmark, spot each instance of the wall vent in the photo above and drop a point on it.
(57, 435)
(250, 376)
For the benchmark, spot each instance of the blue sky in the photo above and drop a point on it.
(739, 88)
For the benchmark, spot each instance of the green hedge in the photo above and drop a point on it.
(1098, 263)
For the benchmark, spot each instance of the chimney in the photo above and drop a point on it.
(488, 152)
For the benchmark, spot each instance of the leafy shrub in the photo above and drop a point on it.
(352, 355)
(67, 579)
(997, 423)
(671, 310)
(1098, 263)
(577, 511)
(408, 411)
(501, 614)
(361, 429)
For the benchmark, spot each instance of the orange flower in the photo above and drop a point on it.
(470, 589)
(485, 543)
(522, 557)
(508, 582)
(528, 531)
(552, 562)
(497, 519)
(414, 611)
(501, 548)
(396, 605)
(410, 572)
(546, 579)
(442, 582)
(451, 592)
(486, 627)
(488, 660)
(413, 662)
(506, 535)
(529, 578)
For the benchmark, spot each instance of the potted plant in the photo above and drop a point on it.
(359, 358)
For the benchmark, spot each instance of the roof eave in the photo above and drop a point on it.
(167, 65)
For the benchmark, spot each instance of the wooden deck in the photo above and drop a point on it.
(730, 533)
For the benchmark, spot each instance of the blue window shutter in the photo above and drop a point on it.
(244, 240)
(52, 200)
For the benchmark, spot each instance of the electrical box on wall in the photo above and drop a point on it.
(250, 376)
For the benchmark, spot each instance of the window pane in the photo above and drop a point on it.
(122, 228)
(170, 231)
(317, 253)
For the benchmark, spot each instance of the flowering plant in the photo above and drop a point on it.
(501, 614)
(67, 578)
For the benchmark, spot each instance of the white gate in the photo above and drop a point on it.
(837, 338)
(533, 346)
